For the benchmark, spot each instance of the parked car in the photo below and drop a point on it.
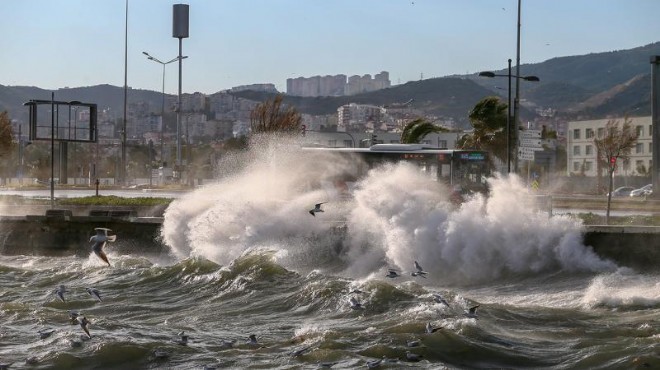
(643, 191)
(623, 191)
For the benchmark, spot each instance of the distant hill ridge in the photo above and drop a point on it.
(586, 86)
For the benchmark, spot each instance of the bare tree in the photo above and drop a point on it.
(272, 117)
(6, 134)
(616, 143)
(6, 143)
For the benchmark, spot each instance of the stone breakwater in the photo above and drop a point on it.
(62, 234)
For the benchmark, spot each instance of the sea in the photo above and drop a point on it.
(244, 256)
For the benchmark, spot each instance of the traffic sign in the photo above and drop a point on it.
(530, 134)
(530, 143)
(525, 155)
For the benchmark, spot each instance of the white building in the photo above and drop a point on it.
(581, 149)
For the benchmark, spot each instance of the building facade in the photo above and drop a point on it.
(581, 152)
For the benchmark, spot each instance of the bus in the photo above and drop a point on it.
(464, 171)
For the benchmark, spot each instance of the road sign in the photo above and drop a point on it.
(525, 155)
(530, 143)
(530, 134)
(529, 151)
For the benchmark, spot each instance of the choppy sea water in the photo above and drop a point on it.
(244, 256)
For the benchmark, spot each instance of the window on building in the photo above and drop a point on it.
(588, 150)
(589, 133)
(576, 166)
(576, 133)
(588, 165)
(639, 148)
(332, 143)
(442, 143)
(576, 150)
(601, 132)
(348, 143)
(650, 130)
(639, 165)
(640, 131)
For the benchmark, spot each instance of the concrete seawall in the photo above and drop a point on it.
(637, 247)
(69, 235)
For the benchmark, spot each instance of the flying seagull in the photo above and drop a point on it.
(252, 340)
(181, 339)
(355, 304)
(419, 271)
(431, 329)
(82, 320)
(94, 293)
(413, 356)
(99, 240)
(439, 299)
(60, 292)
(391, 273)
(372, 364)
(317, 208)
(472, 312)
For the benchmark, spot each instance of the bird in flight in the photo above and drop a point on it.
(317, 208)
(99, 240)
(60, 292)
(419, 271)
(94, 293)
(391, 273)
(472, 312)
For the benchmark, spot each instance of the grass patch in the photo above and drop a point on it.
(594, 219)
(112, 200)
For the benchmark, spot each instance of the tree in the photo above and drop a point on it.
(417, 129)
(616, 143)
(271, 117)
(488, 119)
(6, 134)
(6, 142)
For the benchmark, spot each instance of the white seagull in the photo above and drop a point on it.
(431, 329)
(99, 240)
(419, 271)
(181, 339)
(439, 299)
(60, 292)
(355, 304)
(413, 356)
(45, 333)
(300, 351)
(317, 208)
(391, 273)
(83, 322)
(252, 340)
(94, 293)
(372, 364)
(472, 312)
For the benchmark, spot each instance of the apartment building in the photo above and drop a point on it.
(581, 150)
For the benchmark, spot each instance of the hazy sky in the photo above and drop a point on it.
(72, 43)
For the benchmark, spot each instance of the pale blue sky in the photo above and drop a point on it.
(59, 43)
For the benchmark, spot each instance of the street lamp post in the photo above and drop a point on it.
(162, 123)
(508, 118)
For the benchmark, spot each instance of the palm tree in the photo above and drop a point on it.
(488, 118)
(417, 129)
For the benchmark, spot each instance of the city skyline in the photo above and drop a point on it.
(72, 43)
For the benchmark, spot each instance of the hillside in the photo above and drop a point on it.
(586, 86)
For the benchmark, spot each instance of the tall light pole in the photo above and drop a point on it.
(122, 167)
(516, 101)
(509, 137)
(162, 123)
(180, 13)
